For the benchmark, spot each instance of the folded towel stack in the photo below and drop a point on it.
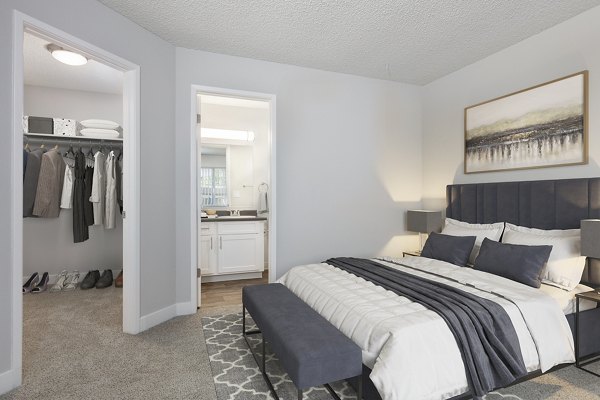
(100, 128)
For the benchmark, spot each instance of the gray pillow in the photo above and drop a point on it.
(452, 249)
(520, 263)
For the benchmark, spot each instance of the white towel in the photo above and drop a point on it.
(263, 203)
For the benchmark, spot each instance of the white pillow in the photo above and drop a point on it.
(481, 231)
(565, 265)
(100, 133)
(99, 124)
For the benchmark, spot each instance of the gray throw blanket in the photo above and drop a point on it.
(483, 330)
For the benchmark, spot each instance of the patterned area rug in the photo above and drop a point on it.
(237, 377)
(235, 372)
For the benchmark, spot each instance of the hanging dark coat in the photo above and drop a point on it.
(80, 226)
(89, 207)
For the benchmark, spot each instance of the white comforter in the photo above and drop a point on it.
(410, 349)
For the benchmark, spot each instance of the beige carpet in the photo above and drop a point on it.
(74, 349)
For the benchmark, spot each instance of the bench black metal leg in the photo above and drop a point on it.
(243, 319)
(244, 332)
(300, 395)
(264, 356)
(359, 388)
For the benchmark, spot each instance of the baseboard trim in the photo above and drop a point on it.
(9, 380)
(231, 277)
(158, 317)
(186, 308)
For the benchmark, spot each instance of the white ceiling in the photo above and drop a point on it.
(43, 70)
(408, 41)
(233, 101)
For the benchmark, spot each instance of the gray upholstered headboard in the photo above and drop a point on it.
(552, 204)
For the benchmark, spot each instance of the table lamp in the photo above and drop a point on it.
(590, 238)
(424, 222)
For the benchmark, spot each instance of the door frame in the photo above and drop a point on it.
(194, 160)
(131, 169)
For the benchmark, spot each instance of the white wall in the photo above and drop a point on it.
(559, 51)
(74, 104)
(348, 157)
(102, 27)
(48, 242)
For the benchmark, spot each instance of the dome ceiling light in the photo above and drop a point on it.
(66, 56)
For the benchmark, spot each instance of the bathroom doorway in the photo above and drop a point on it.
(234, 193)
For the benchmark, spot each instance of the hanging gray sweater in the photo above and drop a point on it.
(50, 184)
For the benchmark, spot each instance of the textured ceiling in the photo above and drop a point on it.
(408, 41)
(43, 70)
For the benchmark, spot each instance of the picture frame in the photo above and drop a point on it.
(539, 127)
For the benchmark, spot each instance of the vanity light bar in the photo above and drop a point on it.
(227, 134)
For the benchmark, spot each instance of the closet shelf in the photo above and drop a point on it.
(74, 139)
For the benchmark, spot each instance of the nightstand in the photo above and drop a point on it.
(580, 362)
(415, 253)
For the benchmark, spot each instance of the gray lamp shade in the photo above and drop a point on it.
(423, 221)
(590, 238)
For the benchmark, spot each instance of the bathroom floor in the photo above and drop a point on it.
(228, 293)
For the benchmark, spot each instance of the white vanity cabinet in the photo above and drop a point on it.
(231, 247)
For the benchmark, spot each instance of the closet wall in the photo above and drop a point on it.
(48, 242)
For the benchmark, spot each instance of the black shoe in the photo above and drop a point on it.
(42, 285)
(105, 280)
(31, 282)
(90, 280)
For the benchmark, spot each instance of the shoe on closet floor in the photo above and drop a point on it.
(90, 280)
(105, 280)
(119, 280)
(42, 285)
(72, 281)
(31, 282)
(60, 282)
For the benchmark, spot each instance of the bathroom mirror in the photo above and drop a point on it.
(226, 177)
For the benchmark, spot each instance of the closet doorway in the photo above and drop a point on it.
(75, 158)
(233, 201)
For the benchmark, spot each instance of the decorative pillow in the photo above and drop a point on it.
(452, 249)
(480, 231)
(566, 264)
(99, 124)
(520, 263)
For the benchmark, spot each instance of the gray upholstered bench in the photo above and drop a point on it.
(311, 350)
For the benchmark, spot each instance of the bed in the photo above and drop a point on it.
(408, 351)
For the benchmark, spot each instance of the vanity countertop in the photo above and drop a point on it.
(233, 219)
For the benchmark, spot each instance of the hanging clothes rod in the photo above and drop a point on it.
(40, 138)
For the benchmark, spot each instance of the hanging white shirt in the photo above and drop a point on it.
(97, 197)
(110, 205)
(66, 199)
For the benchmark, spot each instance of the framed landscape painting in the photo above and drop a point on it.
(543, 126)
